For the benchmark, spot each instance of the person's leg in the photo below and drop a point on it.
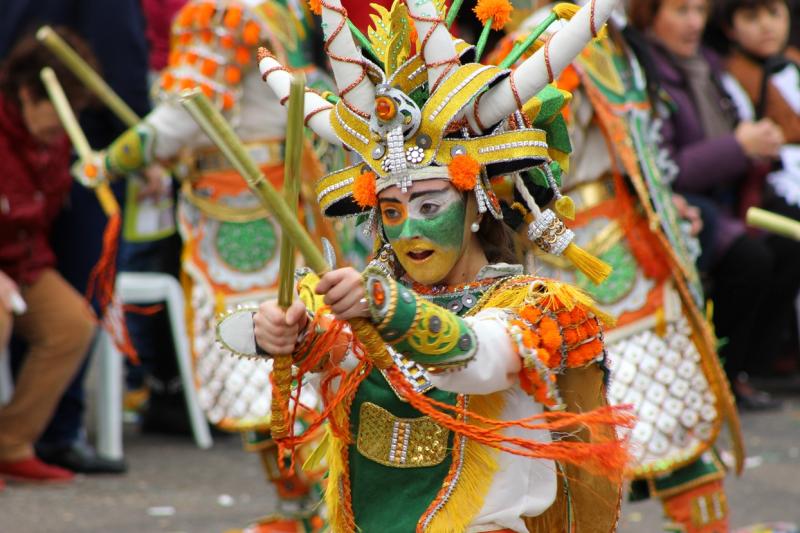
(58, 327)
(739, 280)
(776, 318)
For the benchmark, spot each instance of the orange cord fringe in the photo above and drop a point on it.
(101, 287)
(604, 455)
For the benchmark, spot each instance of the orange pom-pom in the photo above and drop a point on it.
(549, 331)
(364, 190)
(315, 6)
(167, 81)
(531, 314)
(464, 172)
(233, 75)
(584, 354)
(203, 14)
(497, 10)
(227, 101)
(233, 17)
(251, 33)
(242, 55)
(208, 68)
(185, 16)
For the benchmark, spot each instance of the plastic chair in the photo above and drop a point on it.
(6, 381)
(142, 288)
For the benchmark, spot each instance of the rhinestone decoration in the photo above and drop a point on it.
(549, 233)
(465, 342)
(674, 405)
(455, 306)
(378, 151)
(415, 155)
(424, 141)
(435, 324)
(468, 300)
(457, 150)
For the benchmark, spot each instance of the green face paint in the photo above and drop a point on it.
(427, 232)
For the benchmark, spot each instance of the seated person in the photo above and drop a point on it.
(768, 69)
(58, 325)
(714, 152)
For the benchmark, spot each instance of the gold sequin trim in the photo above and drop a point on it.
(400, 442)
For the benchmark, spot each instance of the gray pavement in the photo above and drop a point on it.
(174, 487)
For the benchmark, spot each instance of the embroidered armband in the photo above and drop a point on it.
(131, 151)
(430, 335)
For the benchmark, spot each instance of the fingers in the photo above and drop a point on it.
(329, 280)
(343, 290)
(296, 314)
(349, 306)
(273, 333)
(359, 309)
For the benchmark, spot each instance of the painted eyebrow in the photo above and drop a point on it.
(433, 192)
(389, 200)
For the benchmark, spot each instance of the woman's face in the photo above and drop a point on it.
(40, 118)
(427, 227)
(679, 25)
(761, 31)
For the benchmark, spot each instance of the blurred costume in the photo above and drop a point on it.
(230, 244)
(404, 448)
(662, 351)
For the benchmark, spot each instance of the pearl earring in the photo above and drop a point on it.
(475, 227)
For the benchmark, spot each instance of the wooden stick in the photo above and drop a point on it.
(222, 134)
(282, 364)
(103, 192)
(773, 222)
(87, 75)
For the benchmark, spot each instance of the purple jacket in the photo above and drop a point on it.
(709, 167)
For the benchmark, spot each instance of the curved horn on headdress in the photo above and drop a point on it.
(317, 109)
(349, 66)
(545, 65)
(435, 40)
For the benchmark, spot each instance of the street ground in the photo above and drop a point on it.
(174, 487)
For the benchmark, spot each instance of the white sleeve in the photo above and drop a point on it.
(174, 128)
(496, 363)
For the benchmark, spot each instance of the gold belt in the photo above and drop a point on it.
(400, 442)
(589, 194)
(263, 153)
(220, 211)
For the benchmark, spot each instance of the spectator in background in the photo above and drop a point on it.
(752, 277)
(115, 33)
(768, 70)
(58, 324)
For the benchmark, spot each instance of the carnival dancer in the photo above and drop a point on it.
(463, 342)
(662, 352)
(230, 245)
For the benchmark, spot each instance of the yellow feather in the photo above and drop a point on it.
(336, 472)
(477, 471)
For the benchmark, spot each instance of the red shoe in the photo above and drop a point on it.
(32, 470)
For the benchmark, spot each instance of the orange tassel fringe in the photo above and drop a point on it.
(101, 286)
